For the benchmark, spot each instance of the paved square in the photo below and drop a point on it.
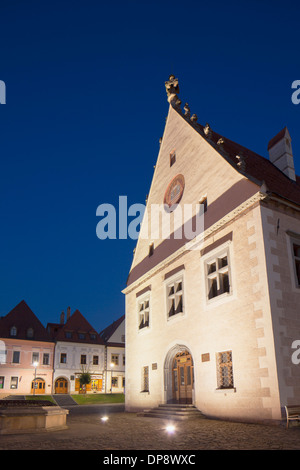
(127, 431)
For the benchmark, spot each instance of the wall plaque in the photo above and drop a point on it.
(205, 357)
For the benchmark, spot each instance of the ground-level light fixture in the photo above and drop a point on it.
(170, 428)
(104, 419)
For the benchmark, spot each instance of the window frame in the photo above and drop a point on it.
(213, 257)
(170, 281)
(16, 351)
(142, 312)
(83, 359)
(46, 359)
(61, 357)
(114, 359)
(226, 365)
(293, 238)
(145, 384)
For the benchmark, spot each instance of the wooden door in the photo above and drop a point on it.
(61, 385)
(183, 378)
(38, 386)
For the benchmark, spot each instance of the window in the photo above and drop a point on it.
(16, 357)
(123, 338)
(95, 360)
(145, 379)
(115, 359)
(1, 382)
(29, 333)
(143, 312)
(218, 275)
(46, 358)
(14, 382)
(296, 255)
(175, 297)
(225, 371)
(81, 335)
(83, 359)
(68, 334)
(114, 381)
(13, 331)
(35, 357)
(93, 336)
(203, 202)
(151, 249)
(172, 157)
(63, 358)
(123, 359)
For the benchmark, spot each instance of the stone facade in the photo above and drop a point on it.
(252, 321)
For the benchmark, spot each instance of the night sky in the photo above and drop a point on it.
(85, 108)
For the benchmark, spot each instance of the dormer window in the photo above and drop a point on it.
(81, 335)
(13, 331)
(68, 334)
(29, 333)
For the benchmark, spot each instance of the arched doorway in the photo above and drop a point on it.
(179, 376)
(38, 386)
(61, 385)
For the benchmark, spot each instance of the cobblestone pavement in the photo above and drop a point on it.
(127, 431)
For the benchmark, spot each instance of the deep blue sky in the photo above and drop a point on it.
(86, 106)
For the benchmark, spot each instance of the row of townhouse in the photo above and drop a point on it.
(39, 360)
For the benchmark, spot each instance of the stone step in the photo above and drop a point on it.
(63, 400)
(176, 412)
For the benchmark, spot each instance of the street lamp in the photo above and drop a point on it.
(35, 364)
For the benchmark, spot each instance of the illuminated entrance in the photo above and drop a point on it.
(38, 386)
(179, 376)
(182, 378)
(61, 385)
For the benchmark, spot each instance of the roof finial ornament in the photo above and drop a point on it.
(187, 112)
(172, 89)
(241, 162)
(194, 118)
(207, 130)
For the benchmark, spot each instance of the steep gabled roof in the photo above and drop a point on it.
(22, 318)
(78, 329)
(252, 165)
(252, 174)
(107, 333)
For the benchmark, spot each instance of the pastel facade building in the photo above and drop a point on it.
(27, 353)
(114, 338)
(78, 348)
(212, 311)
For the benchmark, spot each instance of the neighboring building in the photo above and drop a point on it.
(79, 348)
(211, 320)
(114, 338)
(26, 356)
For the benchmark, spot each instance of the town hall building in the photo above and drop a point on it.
(211, 319)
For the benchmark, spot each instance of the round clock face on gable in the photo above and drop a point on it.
(174, 192)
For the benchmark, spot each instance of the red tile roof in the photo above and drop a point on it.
(23, 318)
(256, 168)
(79, 330)
(107, 333)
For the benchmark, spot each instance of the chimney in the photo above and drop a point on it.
(62, 318)
(281, 154)
(68, 313)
